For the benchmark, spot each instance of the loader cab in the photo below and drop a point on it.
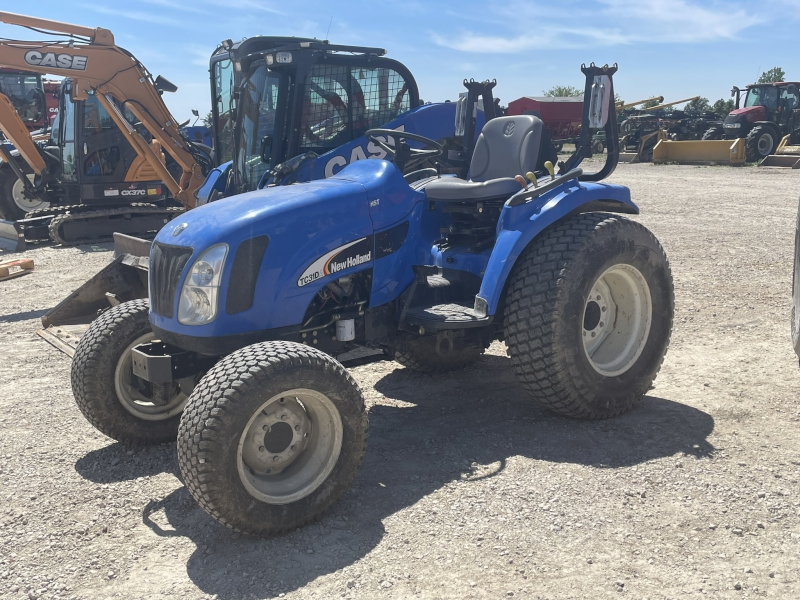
(301, 97)
(26, 92)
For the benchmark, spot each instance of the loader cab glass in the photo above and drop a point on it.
(222, 86)
(261, 100)
(25, 93)
(341, 103)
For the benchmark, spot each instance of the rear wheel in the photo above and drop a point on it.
(13, 203)
(760, 143)
(272, 436)
(713, 133)
(598, 147)
(110, 396)
(589, 315)
(437, 353)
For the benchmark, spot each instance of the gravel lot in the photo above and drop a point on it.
(468, 489)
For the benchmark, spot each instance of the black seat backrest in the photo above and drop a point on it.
(507, 146)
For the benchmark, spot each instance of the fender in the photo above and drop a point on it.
(520, 225)
(216, 181)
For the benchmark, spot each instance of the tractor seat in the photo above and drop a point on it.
(506, 147)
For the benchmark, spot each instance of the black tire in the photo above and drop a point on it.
(430, 354)
(547, 302)
(761, 141)
(713, 133)
(224, 403)
(94, 372)
(598, 147)
(9, 186)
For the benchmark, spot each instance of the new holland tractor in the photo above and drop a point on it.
(257, 298)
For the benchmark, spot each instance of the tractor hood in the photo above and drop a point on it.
(751, 114)
(283, 243)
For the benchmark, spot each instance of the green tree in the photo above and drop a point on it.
(650, 103)
(722, 107)
(696, 107)
(774, 75)
(208, 119)
(561, 91)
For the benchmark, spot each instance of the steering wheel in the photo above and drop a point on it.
(402, 155)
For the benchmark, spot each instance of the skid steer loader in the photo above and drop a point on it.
(279, 134)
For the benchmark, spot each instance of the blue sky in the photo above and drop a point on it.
(676, 48)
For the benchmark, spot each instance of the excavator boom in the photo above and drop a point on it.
(91, 59)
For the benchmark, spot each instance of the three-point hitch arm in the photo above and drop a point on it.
(94, 62)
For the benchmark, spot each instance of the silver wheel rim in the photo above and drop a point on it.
(765, 144)
(289, 446)
(23, 203)
(133, 400)
(616, 320)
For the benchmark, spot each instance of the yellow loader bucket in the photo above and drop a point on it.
(700, 152)
(785, 156)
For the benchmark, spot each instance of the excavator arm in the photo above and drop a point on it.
(94, 62)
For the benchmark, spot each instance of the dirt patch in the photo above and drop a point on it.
(468, 489)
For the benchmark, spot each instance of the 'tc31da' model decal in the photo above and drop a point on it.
(358, 153)
(341, 258)
(61, 61)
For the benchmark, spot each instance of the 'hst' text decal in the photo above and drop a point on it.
(60, 61)
(341, 258)
(358, 153)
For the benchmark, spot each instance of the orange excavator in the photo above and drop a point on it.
(124, 92)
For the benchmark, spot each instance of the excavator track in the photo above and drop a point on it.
(92, 226)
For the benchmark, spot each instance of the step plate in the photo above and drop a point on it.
(445, 316)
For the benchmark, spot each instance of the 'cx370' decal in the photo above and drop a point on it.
(61, 61)
(341, 258)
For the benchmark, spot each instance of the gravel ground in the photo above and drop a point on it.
(468, 489)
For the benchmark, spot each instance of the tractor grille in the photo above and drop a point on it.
(166, 266)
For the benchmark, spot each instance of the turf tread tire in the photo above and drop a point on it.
(546, 276)
(226, 397)
(92, 376)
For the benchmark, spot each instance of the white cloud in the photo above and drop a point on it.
(529, 26)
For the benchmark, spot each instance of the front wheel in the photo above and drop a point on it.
(589, 315)
(110, 396)
(272, 436)
(760, 143)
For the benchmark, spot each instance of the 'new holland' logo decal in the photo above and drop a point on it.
(341, 258)
(60, 61)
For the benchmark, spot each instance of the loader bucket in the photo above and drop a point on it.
(11, 237)
(781, 160)
(122, 280)
(700, 152)
(785, 156)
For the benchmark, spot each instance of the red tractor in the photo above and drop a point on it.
(766, 117)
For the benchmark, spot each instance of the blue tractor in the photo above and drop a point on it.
(258, 301)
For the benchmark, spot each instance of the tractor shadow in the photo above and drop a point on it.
(428, 432)
(116, 462)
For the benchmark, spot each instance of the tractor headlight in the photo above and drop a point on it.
(200, 294)
(732, 125)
